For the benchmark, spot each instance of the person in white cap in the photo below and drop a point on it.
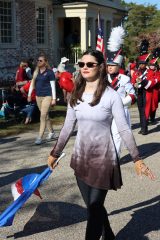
(62, 67)
(65, 78)
(119, 82)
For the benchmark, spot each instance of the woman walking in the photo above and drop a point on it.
(93, 105)
(44, 84)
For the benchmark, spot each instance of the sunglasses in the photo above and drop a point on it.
(39, 60)
(88, 64)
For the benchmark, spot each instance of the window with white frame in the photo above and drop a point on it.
(41, 25)
(6, 22)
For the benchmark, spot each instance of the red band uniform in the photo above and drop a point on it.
(144, 81)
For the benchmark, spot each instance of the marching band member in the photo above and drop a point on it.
(119, 82)
(143, 81)
(155, 91)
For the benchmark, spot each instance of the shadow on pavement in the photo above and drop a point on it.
(8, 140)
(135, 126)
(146, 150)
(144, 221)
(15, 175)
(52, 215)
(156, 129)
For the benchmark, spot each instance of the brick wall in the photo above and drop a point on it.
(26, 43)
(27, 23)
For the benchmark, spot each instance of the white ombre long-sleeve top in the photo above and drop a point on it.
(94, 158)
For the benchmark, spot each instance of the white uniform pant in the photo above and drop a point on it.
(116, 137)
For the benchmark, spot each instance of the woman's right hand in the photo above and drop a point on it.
(52, 162)
(53, 103)
(29, 99)
(142, 169)
(138, 80)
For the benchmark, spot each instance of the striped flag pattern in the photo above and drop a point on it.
(100, 37)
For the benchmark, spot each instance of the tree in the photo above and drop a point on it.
(141, 22)
(139, 19)
(155, 23)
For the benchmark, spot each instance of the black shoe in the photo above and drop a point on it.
(144, 133)
(107, 234)
(140, 132)
(153, 122)
(110, 237)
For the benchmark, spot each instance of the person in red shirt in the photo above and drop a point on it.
(29, 109)
(66, 84)
(21, 76)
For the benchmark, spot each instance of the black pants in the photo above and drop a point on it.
(141, 102)
(153, 116)
(97, 223)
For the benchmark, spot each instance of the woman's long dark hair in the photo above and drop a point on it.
(80, 82)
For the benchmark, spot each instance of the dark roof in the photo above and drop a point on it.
(59, 2)
(65, 1)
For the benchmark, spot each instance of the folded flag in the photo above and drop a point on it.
(22, 184)
(21, 191)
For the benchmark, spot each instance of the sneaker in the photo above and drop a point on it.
(51, 136)
(38, 141)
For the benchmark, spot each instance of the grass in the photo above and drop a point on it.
(57, 115)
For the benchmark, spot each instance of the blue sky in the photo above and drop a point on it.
(157, 2)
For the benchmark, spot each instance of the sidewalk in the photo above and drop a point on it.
(134, 210)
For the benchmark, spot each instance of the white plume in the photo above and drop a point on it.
(116, 39)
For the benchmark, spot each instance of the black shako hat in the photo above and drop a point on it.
(114, 46)
(155, 56)
(144, 55)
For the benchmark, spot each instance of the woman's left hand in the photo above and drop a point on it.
(142, 169)
(53, 103)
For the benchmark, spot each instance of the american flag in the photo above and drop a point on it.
(100, 37)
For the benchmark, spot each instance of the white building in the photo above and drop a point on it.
(81, 16)
(57, 28)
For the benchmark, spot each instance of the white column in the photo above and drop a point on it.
(92, 33)
(84, 34)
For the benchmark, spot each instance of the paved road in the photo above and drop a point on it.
(134, 211)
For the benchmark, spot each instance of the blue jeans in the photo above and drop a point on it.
(29, 109)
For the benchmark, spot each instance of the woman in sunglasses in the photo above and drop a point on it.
(44, 83)
(93, 105)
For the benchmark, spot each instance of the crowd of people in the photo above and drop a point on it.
(34, 92)
(98, 95)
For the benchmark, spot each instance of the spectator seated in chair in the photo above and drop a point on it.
(31, 108)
